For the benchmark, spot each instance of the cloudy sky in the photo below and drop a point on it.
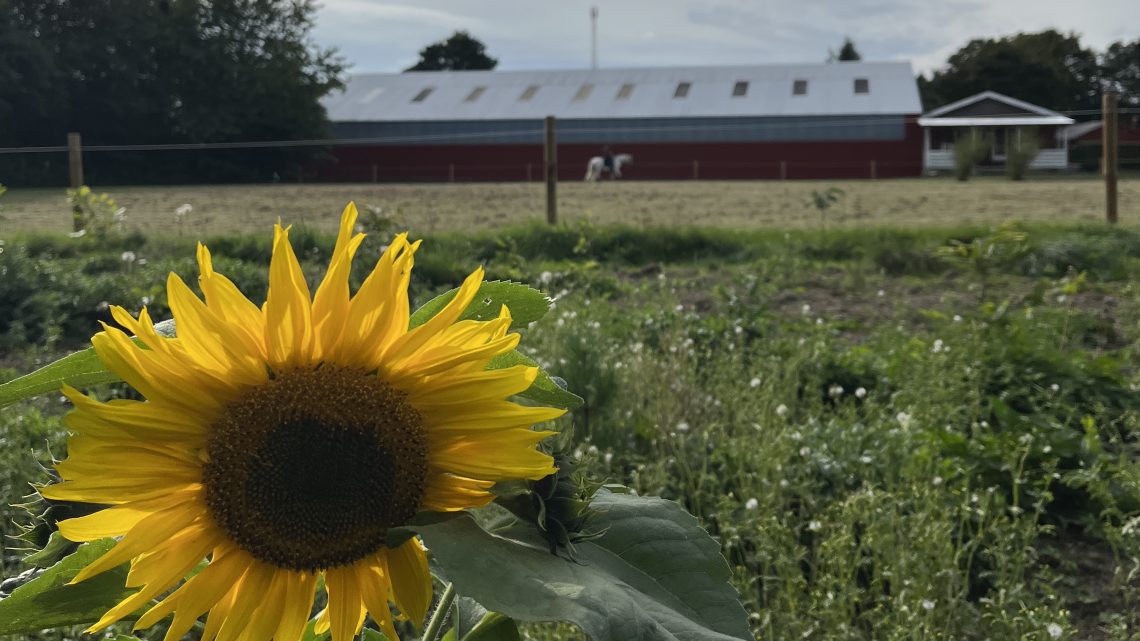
(376, 35)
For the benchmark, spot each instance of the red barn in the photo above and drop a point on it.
(1084, 140)
(840, 120)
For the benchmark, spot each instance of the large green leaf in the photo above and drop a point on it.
(47, 601)
(81, 369)
(544, 389)
(526, 304)
(654, 575)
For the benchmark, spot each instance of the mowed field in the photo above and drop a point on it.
(429, 208)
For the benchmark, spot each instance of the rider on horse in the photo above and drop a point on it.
(608, 159)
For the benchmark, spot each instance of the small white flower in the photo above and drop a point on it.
(545, 277)
(806, 309)
(936, 481)
(683, 426)
(805, 450)
(1054, 631)
(927, 604)
(754, 383)
(903, 418)
(128, 257)
(835, 391)
(1055, 387)
(781, 410)
(679, 308)
(608, 458)
(815, 526)
(751, 504)
(881, 293)
(866, 460)
(957, 318)
(78, 234)
(860, 392)
(937, 346)
(183, 210)
(145, 300)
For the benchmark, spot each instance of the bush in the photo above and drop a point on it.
(970, 149)
(1020, 152)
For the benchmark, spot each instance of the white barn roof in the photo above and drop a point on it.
(846, 88)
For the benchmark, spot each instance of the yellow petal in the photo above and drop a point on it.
(374, 590)
(330, 303)
(411, 581)
(445, 492)
(288, 310)
(345, 610)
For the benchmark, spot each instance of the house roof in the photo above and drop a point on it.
(753, 90)
(978, 110)
(1072, 132)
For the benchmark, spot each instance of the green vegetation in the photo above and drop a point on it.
(893, 434)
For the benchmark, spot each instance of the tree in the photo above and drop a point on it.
(1049, 68)
(460, 52)
(1120, 67)
(847, 53)
(164, 71)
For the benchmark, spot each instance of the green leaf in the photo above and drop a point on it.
(544, 389)
(526, 303)
(55, 548)
(47, 601)
(494, 626)
(655, 575)
(79, 370)
(368, 634)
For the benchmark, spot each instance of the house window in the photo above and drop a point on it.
(799, 88)
(862, 85)
(682, 90)
(625, 92)
(583, 92)
(475, 93)
(528, 93)
(423, 94)
(740, 89)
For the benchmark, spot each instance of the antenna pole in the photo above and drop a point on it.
(593, 37)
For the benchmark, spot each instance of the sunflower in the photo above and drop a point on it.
(281, 444)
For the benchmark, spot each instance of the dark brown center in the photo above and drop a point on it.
(309, 471)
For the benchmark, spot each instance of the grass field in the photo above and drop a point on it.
(905, 425)
(430, 208)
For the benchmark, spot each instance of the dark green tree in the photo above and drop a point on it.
(163, 71)
(1120, 66)
(460, 52)
(847, 53)
(1049, 68)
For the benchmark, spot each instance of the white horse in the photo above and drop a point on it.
(597, 166)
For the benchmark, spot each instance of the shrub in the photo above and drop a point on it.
(970, 149)
(1020, 152)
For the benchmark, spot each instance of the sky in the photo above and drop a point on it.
(377, 36)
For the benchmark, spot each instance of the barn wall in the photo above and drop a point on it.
(894, 151)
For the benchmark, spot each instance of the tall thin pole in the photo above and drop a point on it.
(75, 175)
(1109, 159)
(551, 149)
(593, 37)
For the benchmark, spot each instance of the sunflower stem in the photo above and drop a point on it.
(431, 633)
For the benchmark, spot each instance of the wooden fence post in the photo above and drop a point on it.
(1109, 157)
(451, 172)
(874, 170)
(696, 170)
(75, 175)
(550, 144)
(783, 170)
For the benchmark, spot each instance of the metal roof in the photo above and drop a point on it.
(628, 93)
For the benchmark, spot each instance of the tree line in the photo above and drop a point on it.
(161, 71)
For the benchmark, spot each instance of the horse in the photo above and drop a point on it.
(597, 166)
